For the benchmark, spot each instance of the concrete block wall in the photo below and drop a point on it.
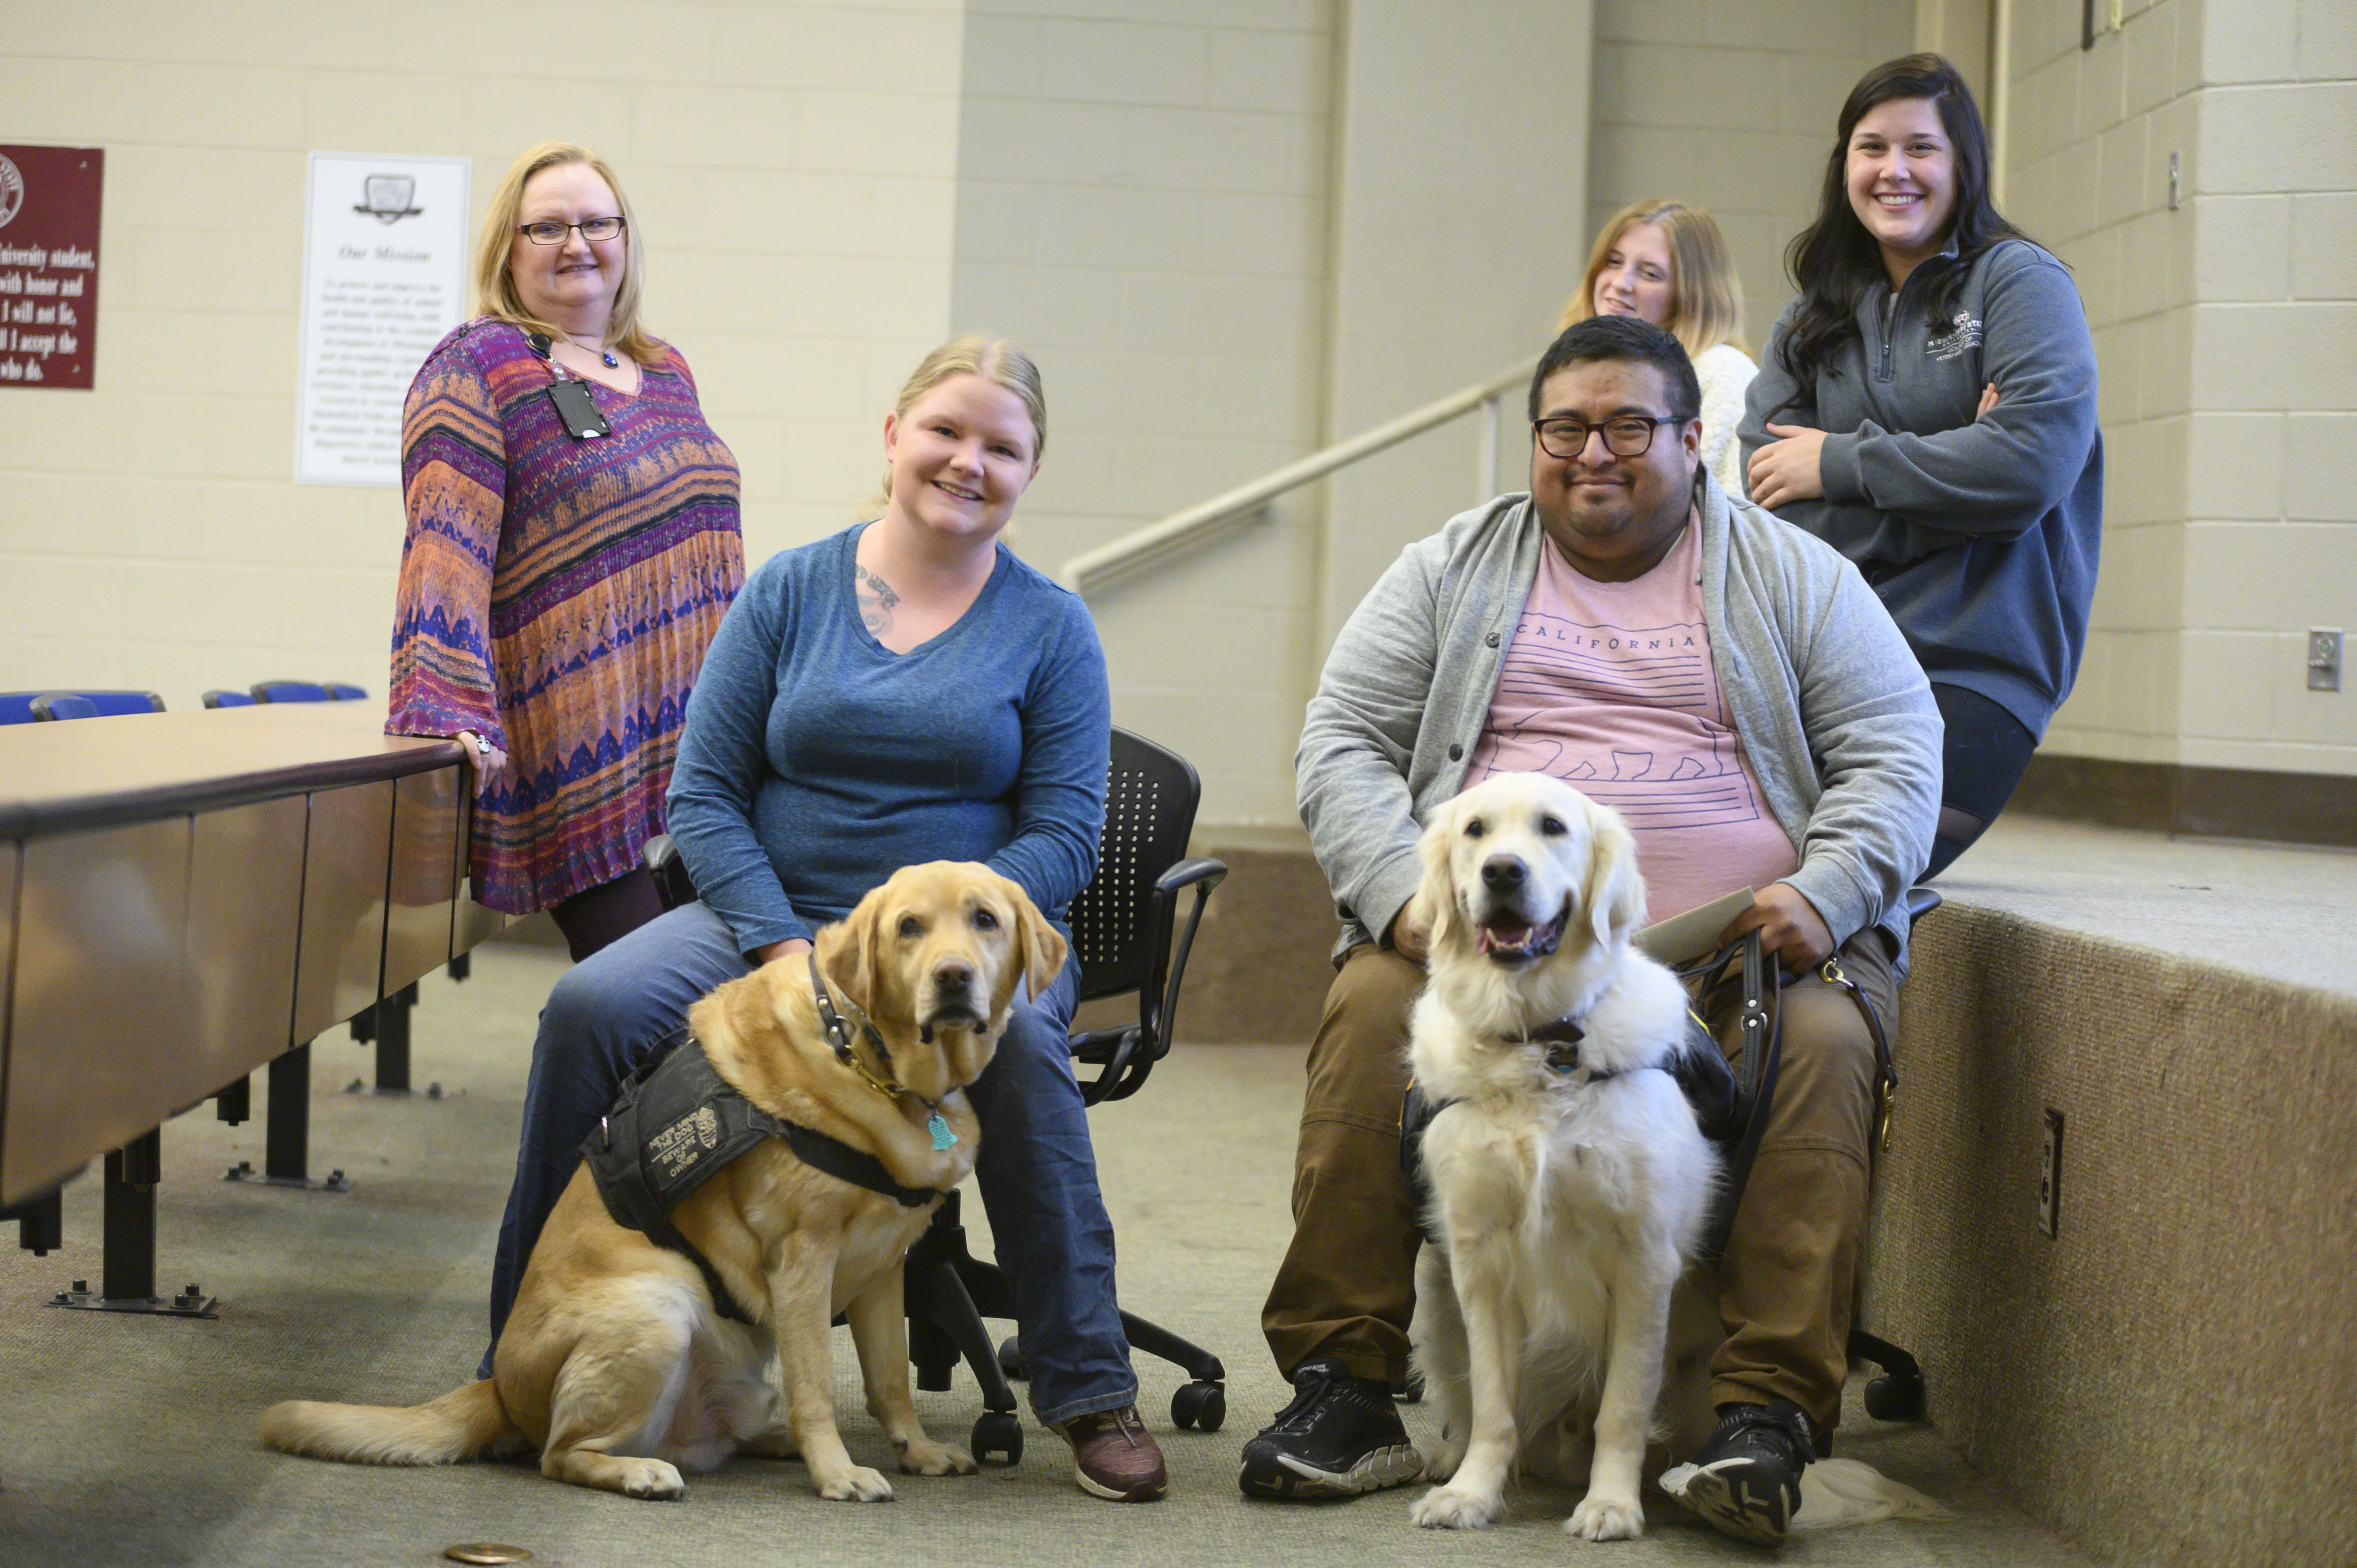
(2271, 503)
(2088, 138)
(2222, 330)
(1731, 105)
(792, 166)
(1141, 202)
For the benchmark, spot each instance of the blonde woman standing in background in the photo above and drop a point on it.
(1666, 262)
(573, 544)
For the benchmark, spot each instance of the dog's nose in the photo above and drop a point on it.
(1502, 873)
(952, 974)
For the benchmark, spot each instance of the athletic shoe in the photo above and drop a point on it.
(1114, 1456)
(1746, 1482)
(1340, 1436)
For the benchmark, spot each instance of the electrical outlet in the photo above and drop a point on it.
(2050, 1174)
(2324, 659)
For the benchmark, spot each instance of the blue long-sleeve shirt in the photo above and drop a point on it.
(816, 762)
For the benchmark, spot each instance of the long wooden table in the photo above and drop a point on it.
(185, 897)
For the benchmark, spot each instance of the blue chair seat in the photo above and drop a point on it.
(291, 692)
(25, 707)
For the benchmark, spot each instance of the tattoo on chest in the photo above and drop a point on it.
(877, 600)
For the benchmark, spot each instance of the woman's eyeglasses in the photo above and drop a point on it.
(551, 232)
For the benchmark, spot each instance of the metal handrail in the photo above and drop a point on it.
(1156, 542)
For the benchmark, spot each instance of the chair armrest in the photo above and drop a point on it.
(673, 886)
(1187, 872)
(1921, 901)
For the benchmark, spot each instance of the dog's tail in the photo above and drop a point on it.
(459, 1426)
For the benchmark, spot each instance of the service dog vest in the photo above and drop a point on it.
(676, 1123)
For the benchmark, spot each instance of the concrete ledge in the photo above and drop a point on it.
(2168, 1377)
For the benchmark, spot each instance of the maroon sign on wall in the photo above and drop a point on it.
(49, 264)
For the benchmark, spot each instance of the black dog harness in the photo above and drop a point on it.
(675, 1125)
(1700, 1070)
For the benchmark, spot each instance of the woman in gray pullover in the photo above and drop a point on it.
(1927, 407)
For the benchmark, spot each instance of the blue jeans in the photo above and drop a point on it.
(1037, 1170)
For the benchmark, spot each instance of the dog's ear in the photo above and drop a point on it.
(1615, 894)
(852, 958)
(1435, 899)
(1037, 942)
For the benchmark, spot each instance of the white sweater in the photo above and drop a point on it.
(1725, 371)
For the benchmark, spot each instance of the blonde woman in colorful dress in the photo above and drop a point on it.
(573, 544)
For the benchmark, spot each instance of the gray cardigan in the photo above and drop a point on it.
(1809, 661)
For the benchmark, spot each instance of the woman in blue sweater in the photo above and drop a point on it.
(905, 690)
(1927, 407)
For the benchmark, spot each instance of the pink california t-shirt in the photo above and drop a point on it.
(1609, 686)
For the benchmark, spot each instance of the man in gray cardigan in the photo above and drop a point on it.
(1836, 728)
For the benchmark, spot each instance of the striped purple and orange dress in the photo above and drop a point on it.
(556, 598)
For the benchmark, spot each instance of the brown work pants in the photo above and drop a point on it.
(1347, 1289)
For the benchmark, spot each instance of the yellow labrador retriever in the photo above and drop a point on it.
(617, 1364)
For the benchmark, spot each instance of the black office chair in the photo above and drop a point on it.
(1898, 1394)
(1123, 924)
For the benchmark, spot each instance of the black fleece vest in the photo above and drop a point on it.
(676, 1123)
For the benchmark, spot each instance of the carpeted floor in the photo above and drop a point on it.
(130, 1440)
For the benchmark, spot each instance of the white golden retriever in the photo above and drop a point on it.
(1569, 1181)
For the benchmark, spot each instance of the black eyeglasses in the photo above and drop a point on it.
(1625, 434)
(551, 232)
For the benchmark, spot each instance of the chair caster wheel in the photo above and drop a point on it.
(997, 1433)
(1010, 1358)
(1895, 1397)
(1199, 1406)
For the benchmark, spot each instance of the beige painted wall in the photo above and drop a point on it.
(1236, 230)
(1462, 163)
(2224, 331)
(1142, 200)
(793, 169)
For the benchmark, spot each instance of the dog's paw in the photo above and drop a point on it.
(1452, 1508)
(1606, 1518)
(936, 1459)
(857, 1484)
(653, 1480)
(1447, 1455)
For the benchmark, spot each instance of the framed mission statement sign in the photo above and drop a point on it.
(49, 264)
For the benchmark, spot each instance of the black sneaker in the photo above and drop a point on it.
(1338, 1438)
(1746, 1482)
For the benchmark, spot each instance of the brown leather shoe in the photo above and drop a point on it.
(1113, 1456)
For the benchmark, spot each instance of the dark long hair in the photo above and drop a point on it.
(1835, 259)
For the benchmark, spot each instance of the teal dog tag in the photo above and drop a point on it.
(938, 1125)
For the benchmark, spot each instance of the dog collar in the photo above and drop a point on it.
(838, 1035)
(1562, 1040)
